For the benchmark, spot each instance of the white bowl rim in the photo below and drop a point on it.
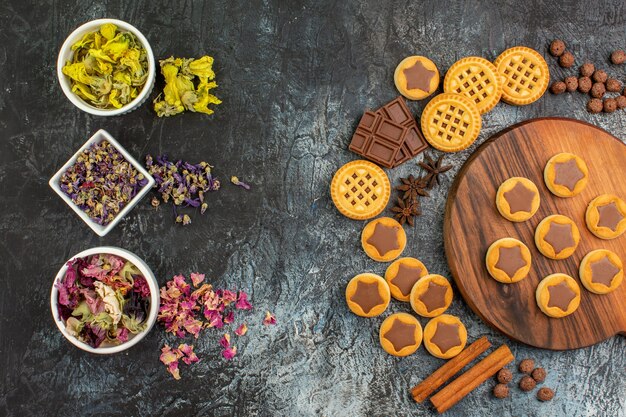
(101, 230)
(64, 81)
(154, 299)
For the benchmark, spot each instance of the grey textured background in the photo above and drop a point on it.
(295, 78)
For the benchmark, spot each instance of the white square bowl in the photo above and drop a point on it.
(98, 137)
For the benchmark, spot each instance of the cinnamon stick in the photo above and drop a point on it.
(456, 390)
(422, 390)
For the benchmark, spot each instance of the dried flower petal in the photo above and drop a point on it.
(189, 356)
(239, 183)
(269, 319)
(229, 352)
(225, 340)
(169, 357)
(242, 302)
(241, 330)
(196, 278)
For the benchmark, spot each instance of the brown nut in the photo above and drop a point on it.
(587, 69)
(538, 374)
(500, 391)
(558, 87)
(545, 394)
(621, 102)
(526, 366)
(584, 84)
(618, 57)
(597, 90)
(504, 376)
(600, 76)
(557, 47)
(571, 83)
(527, 383)
(613, 85)
(595, 105)
(610, 105)
(567, 59)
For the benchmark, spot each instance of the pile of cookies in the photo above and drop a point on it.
(407, 280)
(508, 260)
(451, 121)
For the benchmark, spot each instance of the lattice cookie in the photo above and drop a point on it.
(360, 190)
(451, 122)
(526, 75)
(477, 79)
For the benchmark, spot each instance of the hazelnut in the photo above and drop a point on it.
(504, 375)
(610, 105)
(500, 391)
(621, 102)
(571, 83)
(538, 374)
(527, 383)
(545, 394)
(587, 69)
(618, 57)
(558, 87)
(613, 85)
(566, 60)
(526, 366)
(595, 105)
(600, 76)
(557, 47)
(597, 90)
(584, 84)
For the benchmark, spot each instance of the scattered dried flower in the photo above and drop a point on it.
(196, 278)
(242, 302)
(241, 330)
(239, 183)
(169, 357)
(155, 202)
(269, 319)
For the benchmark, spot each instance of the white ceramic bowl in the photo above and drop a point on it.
(101, 230)
(66, 55)
(154, 300)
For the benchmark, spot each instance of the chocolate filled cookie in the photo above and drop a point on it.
(606, 216)
(565, 175)
(558, 295)
(517, 199)
(367, 295)
(508, 260)
(402, 274)
(557, 237)
(445, 336)
(601, 271)
(416, 77)
(431, 295)
(383, 239)
(400, 334)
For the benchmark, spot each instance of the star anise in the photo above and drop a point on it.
(412, 187)
(406, 210)
(434, 170)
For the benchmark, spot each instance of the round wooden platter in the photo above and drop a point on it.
(472, 222)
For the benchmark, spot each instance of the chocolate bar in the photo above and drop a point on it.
(388, 136)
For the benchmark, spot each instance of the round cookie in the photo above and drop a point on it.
(526, 75)
(360, 190)
(601, 271)
(558, 295)
(416, 77)
(565, 175)
(367, 295)
(383, 239)
(400, 334)
(606, 216)
(557, 237)
(402, 274)
(477, 79)
(517, 199)
(508, 260)
(431, 295)
(450, 122)
(445, 336)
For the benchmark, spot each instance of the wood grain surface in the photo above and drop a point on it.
(472, 223)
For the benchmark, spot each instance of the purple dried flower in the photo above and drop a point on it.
(239, 183)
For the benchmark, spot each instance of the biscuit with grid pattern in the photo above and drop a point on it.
(526, 75)
(477, 79)
(451, 122)
(360, 190)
